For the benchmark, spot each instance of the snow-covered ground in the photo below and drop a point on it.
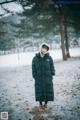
(26, 58)
(17, 95)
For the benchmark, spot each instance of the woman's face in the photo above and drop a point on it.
(43, 50)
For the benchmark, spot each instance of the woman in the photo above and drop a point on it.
(43, 71)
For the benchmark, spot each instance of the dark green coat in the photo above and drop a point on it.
(43, 71)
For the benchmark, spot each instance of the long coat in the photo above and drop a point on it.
(43, 71)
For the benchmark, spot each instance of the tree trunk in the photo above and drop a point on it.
(67, 42)
(62, 32)
(67, 49)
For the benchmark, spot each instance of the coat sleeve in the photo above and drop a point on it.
(33, 68)
(52, 66)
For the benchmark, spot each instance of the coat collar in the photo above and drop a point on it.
(45, 56)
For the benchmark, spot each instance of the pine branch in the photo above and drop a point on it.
(7, 1)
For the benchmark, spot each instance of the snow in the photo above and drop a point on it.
(29, 7)
(2, 12)
(17, 92)
(21, 59)
(12, 7)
